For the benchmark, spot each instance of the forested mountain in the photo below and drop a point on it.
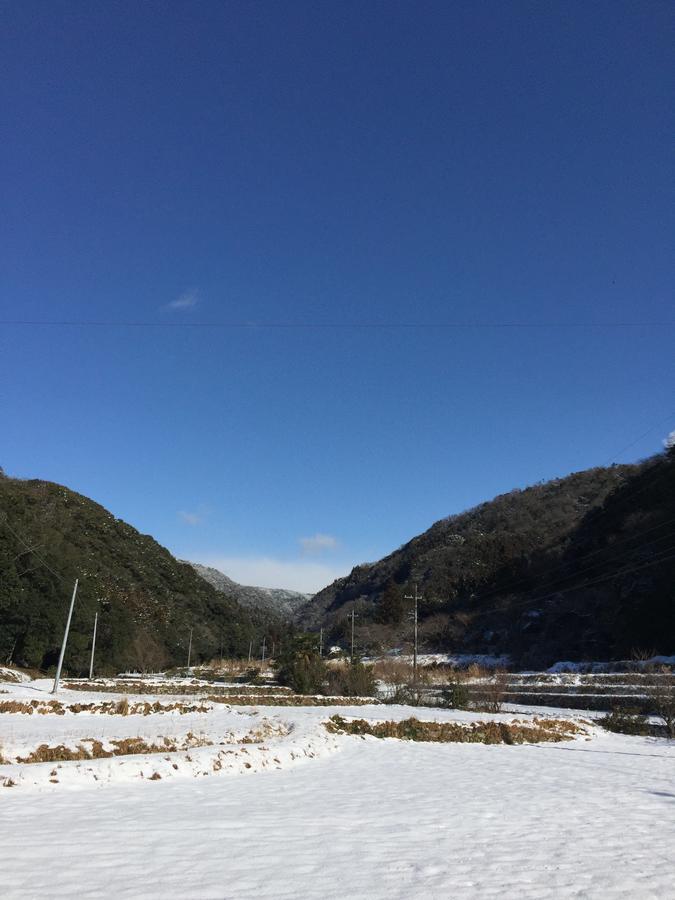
(149, 601)
(581, 567)
(277, 601)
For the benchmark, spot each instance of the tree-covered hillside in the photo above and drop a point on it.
(147, 600)
(581, 567)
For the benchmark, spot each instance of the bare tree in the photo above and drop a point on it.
(148, 653)
(660, 692)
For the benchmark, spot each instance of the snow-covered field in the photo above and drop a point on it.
(264, 802)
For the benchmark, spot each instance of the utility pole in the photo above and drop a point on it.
(263, 651)
(272, 653)
(65, 641)
(221, 648)
(416, 598)
(352, 653)
(250, 649)
(321, 642)
(189, 652)
(93, 648)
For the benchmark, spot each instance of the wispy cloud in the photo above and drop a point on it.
(186, 300)
(318, 543)
(191, 518)
(305, 576)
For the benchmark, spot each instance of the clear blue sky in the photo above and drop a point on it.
(331, 164)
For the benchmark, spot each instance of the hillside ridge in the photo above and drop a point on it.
(148, 602)
(481, 571)
(280, 601)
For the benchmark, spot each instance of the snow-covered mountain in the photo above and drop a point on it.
(277, 600)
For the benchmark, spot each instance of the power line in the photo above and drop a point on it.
(575, 587)
(594, 514)
(509, 586)
(253, 326)
(3, 519)
(637, 440)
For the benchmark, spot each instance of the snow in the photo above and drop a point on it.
(319, 815)
(608, 667)
(456, 660)
(12, 675)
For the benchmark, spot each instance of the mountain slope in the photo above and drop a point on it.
(269, 600)
(50, 535)
(579, 567)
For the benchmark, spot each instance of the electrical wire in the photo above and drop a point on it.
(235, 324)
(575, 587)
(3, 520)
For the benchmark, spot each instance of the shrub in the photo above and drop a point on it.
(300, 667)
(490, 697)
(660, 690)
(625, 721)
(251, 675)
(455, 695)
(352, 680)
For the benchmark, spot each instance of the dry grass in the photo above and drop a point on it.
(491, 696)
(534, 732)
(111, 708)
(392, 671)
(28, 707)
(174, 689)
(123, 747)
(13, 674)
(231, 668)
(264, 731)
(291, 700)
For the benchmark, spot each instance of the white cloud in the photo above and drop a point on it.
(264, 571)
(191, 518)
(317, 544)
(186, 300)
(669, 441)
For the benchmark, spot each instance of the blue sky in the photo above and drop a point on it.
(345, 180)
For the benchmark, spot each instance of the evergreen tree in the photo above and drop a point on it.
(391, 609)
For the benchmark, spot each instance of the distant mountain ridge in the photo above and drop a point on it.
(280, 601)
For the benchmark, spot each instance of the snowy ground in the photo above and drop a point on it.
(332, 816)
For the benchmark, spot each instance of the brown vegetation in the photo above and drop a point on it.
(171, 689)
(122, 747)
(120, 707)
(412, 729)
(660, 690)
(292, 700)
(490, 697)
